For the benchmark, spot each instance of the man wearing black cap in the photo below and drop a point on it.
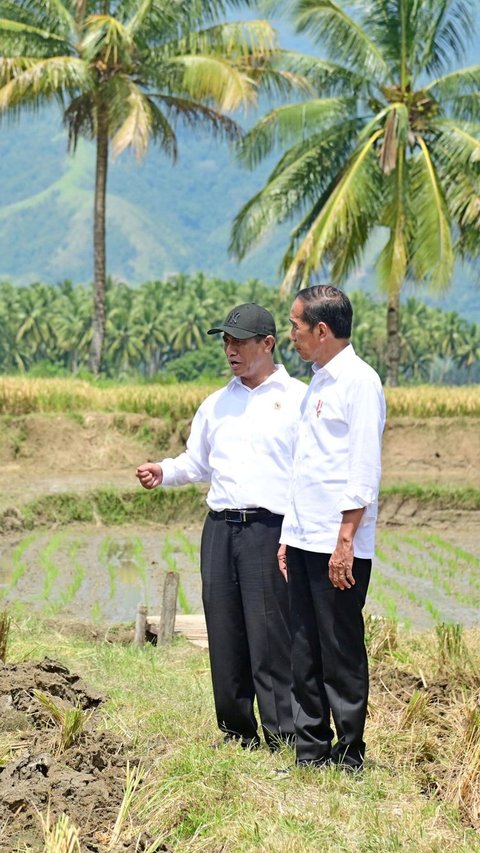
(241, 441)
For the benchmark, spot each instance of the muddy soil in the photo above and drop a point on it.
(85, 781)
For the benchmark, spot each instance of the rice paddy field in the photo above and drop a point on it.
(421, 577)
(106, 746)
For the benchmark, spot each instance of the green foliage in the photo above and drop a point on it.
(388, 138)
(158, 332)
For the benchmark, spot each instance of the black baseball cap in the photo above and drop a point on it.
(246, 321)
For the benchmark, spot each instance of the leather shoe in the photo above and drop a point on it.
(245, 743)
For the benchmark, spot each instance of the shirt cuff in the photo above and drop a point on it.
(359, 497)
(169, 473)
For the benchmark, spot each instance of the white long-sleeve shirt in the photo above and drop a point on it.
(337, 461)
(241, 441)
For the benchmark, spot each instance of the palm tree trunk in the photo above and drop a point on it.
(393, 338)
(99, 245)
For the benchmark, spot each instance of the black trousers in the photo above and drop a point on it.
(245, 599)
(329, 660)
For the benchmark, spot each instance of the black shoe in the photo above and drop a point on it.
(350, 763)
(277, 742)
(245, 743)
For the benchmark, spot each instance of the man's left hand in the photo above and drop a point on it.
(340, 566)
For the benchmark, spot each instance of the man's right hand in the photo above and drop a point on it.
(282, 561)
(150, 475)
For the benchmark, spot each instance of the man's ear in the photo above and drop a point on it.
(269, 342)
(323, 329)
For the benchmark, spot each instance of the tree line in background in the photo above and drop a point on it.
(158, 332)
(384, 133)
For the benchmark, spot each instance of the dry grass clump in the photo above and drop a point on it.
(432, 719)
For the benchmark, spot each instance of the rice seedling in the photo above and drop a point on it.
(415, 711)
(96, 612)
(70, 721)
(189, 548)
(108, 549)
(168, 555)
(62, 837)
(452, 651)
(5, 622)
(457, 553)
(71, 590)
(50, 567)
(433, 610)
(380, 636)
(19, 566)
(133, 780)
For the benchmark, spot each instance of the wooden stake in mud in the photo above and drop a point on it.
(169, 608)
(140, 625)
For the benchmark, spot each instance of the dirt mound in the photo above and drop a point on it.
(85, 781)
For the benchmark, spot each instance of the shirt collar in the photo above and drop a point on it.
(278, 377)
(336, 364)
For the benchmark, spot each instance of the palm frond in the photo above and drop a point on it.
(214, 79)
(43, 79)
(193, 113)
(79, 118)
(286, 125)
(107, 40)
(300, 179)
(326, 77)
(455, 83)
(466, 107)
(135, 129)
(329, 24)
(457, 158)
(54, 16)
(432, 247)
(392, 262)
(342, 213)
(234, 39)
(163, 132)
(443, 31)
(13, 66)
(18, 38)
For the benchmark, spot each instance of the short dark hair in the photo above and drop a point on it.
(324, 303)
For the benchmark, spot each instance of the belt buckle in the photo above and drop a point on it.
(237, 516)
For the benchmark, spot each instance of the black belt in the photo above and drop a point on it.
(242, 516)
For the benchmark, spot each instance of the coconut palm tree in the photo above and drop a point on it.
(127, 72)
(392, 140)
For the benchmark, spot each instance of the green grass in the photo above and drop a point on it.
(197, 800)
(114, 507)
(448, 497)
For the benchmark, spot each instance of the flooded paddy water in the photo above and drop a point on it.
(422, 576)
(99, 574)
